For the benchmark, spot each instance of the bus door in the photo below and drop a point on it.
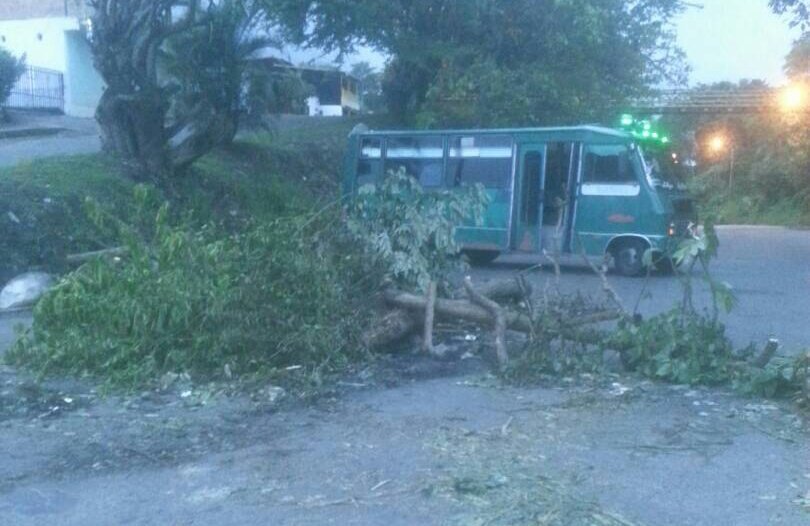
(528, 198)
(559, 194)
(608, 201)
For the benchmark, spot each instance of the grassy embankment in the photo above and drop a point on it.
(261, 176)
(231, 271)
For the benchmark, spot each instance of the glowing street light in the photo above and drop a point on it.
(793, 98)
(718, 143)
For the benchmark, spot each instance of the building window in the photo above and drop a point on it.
(369, 166)
(420, 157)
(485, 159)
(608, 164)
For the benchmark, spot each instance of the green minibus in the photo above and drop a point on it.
(568, 190)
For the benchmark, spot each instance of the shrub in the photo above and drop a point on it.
(282, 293)
(409, 231)
(10, 70)
(41, 210)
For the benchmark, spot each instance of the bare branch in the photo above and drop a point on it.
(499, 316)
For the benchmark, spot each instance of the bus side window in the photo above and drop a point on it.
(369, 166)
(420, 157)
(485, 159)
(608, 164)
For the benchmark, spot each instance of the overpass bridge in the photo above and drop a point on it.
(791, 99)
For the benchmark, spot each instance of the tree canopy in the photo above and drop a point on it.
(492, 62)
(798, 9)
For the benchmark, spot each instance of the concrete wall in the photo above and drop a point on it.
(41, 40)
(57, 44)
(83, 84)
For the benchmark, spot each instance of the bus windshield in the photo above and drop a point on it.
(662, 169)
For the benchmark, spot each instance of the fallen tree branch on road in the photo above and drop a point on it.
(410, 311)
(499, 317)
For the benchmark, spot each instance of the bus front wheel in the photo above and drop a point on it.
(481, 257)
(628, 256)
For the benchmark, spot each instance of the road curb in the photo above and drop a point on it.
(18, 133)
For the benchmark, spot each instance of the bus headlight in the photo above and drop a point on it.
(671, 230)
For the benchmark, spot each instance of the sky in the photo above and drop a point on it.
(733, 40)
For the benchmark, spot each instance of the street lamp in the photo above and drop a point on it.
(720, 143)
(793, 97)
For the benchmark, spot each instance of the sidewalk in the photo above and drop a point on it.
(27, 136)
(21, 124)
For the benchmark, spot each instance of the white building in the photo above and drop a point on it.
(51, 35)
(335, 92)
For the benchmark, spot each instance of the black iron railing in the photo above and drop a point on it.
(39, 89)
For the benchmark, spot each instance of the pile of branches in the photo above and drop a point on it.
(499, 306)
(508, 305)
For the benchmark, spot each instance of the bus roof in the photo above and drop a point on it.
(560, 131)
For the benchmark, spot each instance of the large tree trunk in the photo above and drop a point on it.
(132, 129)
(128, 38)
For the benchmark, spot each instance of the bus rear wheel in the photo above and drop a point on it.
(481, 257)
(628, 257)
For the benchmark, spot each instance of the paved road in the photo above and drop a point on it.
(768, 267)
(80, 136)
(15, 151)
(445, 451)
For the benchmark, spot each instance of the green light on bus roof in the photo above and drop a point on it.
(647, 125)
(664, 139)
(627, 119)
(654, 135)
(645, 133)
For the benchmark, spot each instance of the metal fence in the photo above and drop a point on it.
(40, 89)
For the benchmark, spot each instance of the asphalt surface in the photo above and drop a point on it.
(442, 445)
(767, 267)
(78, 136)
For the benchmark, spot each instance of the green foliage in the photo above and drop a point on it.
(10, 70)
(797, 63)
(798, 9)
(370, 87)
(282, 293)
(771, 159)
(486, 62)
(261, 177)
(783, 376)
(689, 347)
(41, 215)
(683, 345)
(209, 64)
(272, 92)
(676, 348)
(410, 231)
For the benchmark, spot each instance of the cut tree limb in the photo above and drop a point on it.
(497, 312)
(391, 327)
(455, 310)
(767, 354)
(506, 290)
(408, 313)
(430, 308)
